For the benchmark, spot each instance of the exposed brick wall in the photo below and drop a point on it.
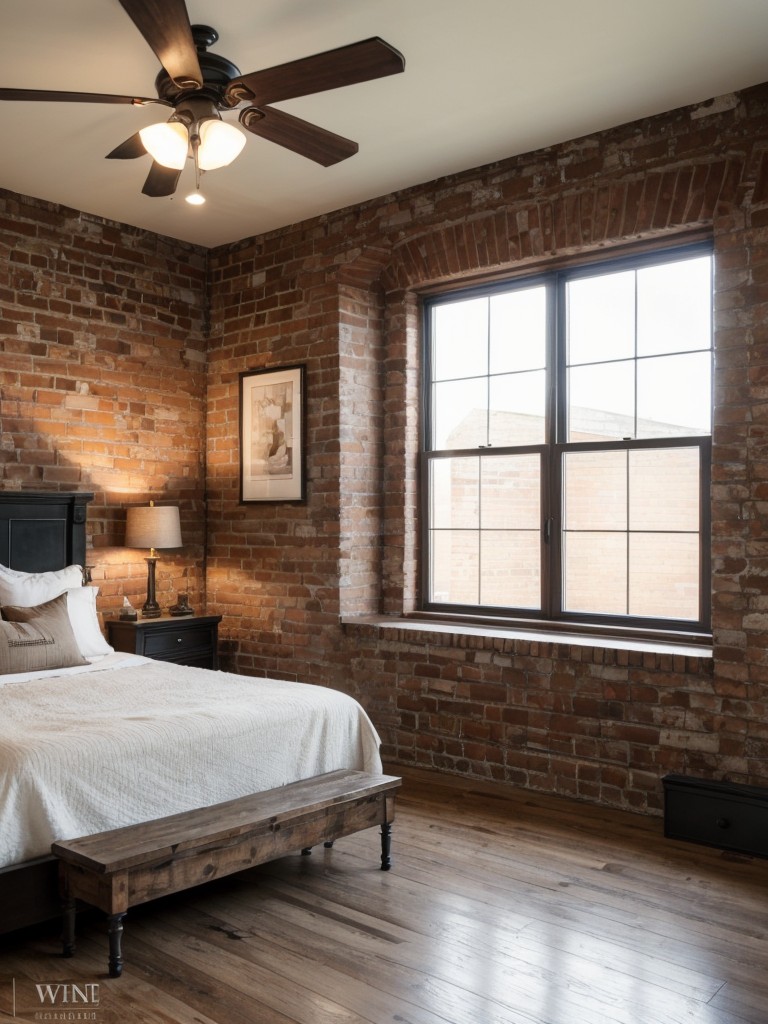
(599, 724)
(104, 344)
(361, 448)
(590, 722)
(273, 569)
(102, 334)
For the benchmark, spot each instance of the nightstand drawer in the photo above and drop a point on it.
(172, 643)
(189, 641)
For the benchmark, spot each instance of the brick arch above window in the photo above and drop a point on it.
(640, 206)
(529, 223)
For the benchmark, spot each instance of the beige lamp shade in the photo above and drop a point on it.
(153, 526)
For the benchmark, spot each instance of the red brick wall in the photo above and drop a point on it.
(596, 723)
(102, 335)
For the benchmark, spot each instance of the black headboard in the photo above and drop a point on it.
(40, 532)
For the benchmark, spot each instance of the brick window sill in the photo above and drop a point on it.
(539, 643)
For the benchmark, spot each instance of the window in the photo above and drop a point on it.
(565, 465)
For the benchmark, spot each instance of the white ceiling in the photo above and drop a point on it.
(484, 80)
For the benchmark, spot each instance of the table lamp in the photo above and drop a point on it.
(152, 526)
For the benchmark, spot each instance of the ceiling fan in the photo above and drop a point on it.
(198, 85)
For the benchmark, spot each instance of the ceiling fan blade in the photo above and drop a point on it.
(348, 65)
(165, 27)
(46, 96)
(299, 136)
(161, 181)
(128, 150)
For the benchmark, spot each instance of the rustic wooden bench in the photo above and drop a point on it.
(127, 866)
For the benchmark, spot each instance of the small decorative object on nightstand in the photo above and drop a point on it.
(182, 606)
(192, 640)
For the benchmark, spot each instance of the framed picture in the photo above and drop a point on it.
(272, 459)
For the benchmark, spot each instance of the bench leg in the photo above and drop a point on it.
(308, 849)
(115, 944)
(386, 845)
(68, 927)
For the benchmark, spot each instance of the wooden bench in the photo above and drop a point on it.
(127, 866)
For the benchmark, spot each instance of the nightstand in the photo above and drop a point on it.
(187, 640)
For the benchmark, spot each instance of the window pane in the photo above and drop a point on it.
(595, 573)
(595, 491)
(674, 307)
(460, 339)
(664, 489)
(510, 494)
(601, 318)
(460, 414)
(674, 397)
(511, 569)
(454, 492)
(664, 575)
(518, 330)
(517, 408)
(601, 402)
(455, 567)
(503, 561)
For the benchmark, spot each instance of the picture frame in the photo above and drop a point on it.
(272, 435)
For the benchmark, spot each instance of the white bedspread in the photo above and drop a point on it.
(88, 751)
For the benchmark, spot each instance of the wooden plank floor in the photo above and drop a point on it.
(502, 907)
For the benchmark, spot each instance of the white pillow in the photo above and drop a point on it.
(27, 589)
(81, 608)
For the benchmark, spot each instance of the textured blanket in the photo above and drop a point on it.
(88, 752)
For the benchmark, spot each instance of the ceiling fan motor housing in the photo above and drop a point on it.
(217, 71)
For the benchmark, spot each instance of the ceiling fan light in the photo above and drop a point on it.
(167, 143)
(220, 143)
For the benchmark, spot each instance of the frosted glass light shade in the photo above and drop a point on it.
(220, 143)
(153, 526)
(167, 143)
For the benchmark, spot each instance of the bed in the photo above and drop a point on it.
(105, 739)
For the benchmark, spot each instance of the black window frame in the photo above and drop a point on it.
(552, 451)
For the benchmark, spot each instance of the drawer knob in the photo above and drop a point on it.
(178, 639)
(723, 823)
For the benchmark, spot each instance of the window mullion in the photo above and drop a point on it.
(635, 420)
(626, 520)
(479, 528)
(557, 422)
(488, 371)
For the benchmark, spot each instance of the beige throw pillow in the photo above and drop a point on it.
(37, 638)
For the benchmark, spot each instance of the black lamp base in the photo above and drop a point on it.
(150, 609)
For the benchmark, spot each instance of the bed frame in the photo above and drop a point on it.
(38, 532)
(41, 532)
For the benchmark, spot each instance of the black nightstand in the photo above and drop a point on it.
(188, 640)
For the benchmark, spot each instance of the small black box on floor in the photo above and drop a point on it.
(727, 815)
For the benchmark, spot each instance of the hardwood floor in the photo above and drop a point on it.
(502, 907)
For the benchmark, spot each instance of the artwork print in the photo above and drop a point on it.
(271, 435)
